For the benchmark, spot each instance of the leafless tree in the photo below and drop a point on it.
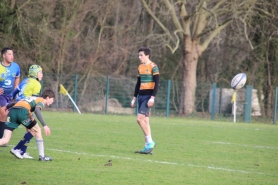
(263, 60)
(194, 25)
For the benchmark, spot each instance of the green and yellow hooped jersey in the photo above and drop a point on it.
(146, 73)
(30, 103)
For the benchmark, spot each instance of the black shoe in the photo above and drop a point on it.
(45, 158)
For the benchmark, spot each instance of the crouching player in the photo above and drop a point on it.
(29, 87)
(21, 113)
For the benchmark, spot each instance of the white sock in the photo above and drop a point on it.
(149, 139)
(40, 147)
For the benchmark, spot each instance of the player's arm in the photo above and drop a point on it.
(136, 91)
(17, 77)
(16, 91)
(156, 81)
(16, 81)
(10, 105)
(40, 118)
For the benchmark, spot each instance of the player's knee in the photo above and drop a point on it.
(38, 133)
(4, 141)
(140, 118)
(3, 114)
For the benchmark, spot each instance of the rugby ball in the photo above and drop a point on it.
(238, 81)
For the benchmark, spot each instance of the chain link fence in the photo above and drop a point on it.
(112, 95)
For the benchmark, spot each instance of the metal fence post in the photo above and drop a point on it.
(248, 103)
(213, 101)
(75, 90)
(275, 105)
(168, 97)
(107, 94)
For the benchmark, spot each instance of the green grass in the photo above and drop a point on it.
(188, 151)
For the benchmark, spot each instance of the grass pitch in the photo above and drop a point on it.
(99, 149)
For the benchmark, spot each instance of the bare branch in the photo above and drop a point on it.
(23, 5)
(245, 32)
(157, 20)
(185, 20)
(200, 22)
(265, 13)
(173, 15)
(213, 34)
(218, 5)
(173, 50)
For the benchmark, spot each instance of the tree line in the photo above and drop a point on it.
(192, 41)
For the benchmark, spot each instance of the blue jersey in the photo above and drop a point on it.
(7, 77)
(28, 87)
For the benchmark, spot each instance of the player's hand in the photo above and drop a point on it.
(1, 91)
(133, 102)
(151, 102)
(47, 130)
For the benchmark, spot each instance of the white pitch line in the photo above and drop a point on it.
(159, 162)
(253, 146)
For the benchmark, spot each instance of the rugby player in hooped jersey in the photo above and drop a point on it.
(30, 86)
(21, 113)
(146, 89)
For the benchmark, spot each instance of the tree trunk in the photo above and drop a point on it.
(189, 83)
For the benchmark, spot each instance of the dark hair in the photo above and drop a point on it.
(146, 50)
(4, 50)
(48, 93)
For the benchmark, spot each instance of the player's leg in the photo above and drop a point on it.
(143, 121)
(2, 128)
(36, 132)
(6, 139)
(23, 149)
(22, 145)
(147, 130)
(148, 136)
(12, 124)
(7, 136)
(27, 137)
(3, 118)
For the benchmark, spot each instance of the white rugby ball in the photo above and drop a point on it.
(238, 81)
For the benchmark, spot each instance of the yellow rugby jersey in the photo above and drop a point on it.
(2, 73)
(146, 73)
(28, 87)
